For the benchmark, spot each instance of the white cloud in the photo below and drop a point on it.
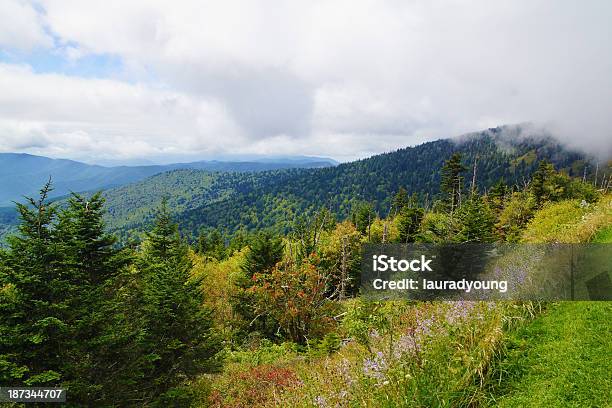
(341, 78)
(75, 117)
(21, 27)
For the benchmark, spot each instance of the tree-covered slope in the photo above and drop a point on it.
(134, 206)
(376, 179)
(24, 174)
(274, 199)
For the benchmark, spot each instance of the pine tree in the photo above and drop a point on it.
(540, 183)
(409, 223)
(476, 221)
(178, 341)
(36, 320)
(265, 251)
(451, 182)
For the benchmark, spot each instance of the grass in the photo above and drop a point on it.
(561, 359)
(570, 221)
(604, 236)
(401, 354)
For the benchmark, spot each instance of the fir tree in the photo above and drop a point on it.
(400, 201)
(212, 244)
(409, 223)
(163, 237)
(265, 251)
(497, 195)
(541, 182)
(177, 341)
(364, 217)
(58, 327)
(36, 320)
(90, 264)
(451, 183)
(476, 221)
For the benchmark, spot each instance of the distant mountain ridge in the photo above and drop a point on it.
(23, 174)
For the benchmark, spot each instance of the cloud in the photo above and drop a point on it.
(21, 27)
(76, 117)
(339, 78)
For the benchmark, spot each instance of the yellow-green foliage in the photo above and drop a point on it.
(394, 353)
(331, 242)
(8, 293)
(514, 216)
(569, 221)
(217, 281)
(435, 227)
(386, 228)
(604, 236)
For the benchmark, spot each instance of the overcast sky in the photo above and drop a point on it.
(99, 80)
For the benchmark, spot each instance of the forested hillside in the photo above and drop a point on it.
(275, 199)
(23, 174)
(134, 205)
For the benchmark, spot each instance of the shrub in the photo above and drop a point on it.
(294, 296)
(253, 387)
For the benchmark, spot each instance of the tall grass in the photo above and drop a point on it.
(414, 355)
(569, 221)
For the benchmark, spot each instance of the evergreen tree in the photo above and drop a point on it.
(476, 221)
(497, 195)
(409, 223)
(177, 338)
(540, 183)
(265, 251)
(364, 217)
(451, 183)
(60, 271)
(36, 320)
(91, 264)
(212, 244)
(238, 241)
(162, 240)
(400, 201)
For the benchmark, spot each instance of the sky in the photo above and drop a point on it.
(153, 80)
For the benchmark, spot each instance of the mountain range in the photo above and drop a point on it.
(275, 197)
(23, 174)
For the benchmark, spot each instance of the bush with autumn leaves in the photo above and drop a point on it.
(295, 295)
